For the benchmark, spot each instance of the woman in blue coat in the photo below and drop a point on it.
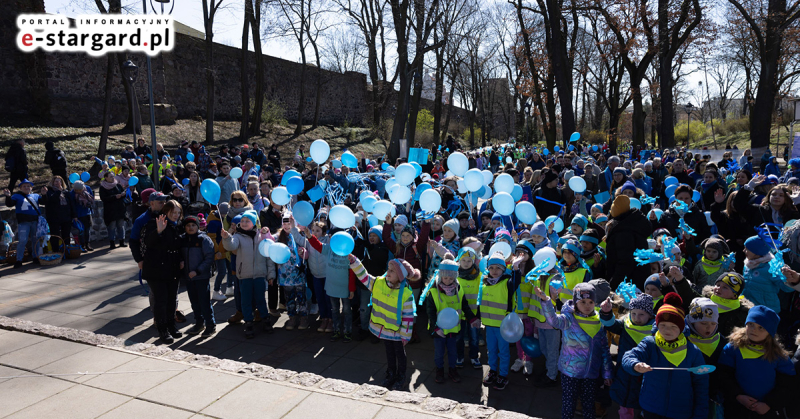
(676, 394)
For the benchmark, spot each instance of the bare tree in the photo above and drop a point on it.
(726, 77)
(342, 51)
(209, 13)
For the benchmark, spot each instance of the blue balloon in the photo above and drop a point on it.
(511, 328)
(185, 181)
(557, 148)
(545, 151)
(670, 180)
(342, 243)
(236, 172)
(349, 160)
(405, 174)
(530, 345)
(417, 166)
(309, 159)
(210, 191)
(295, 185)
(525, 212)
(279, 253)
(74, 177)
(594, 148)
(420, 189)
(384, 166)
(482, 263)
(671, 190)
(503, 203)
(85, 176)
(368, 203)
(473, 180)
(696, 196)
(571, 147)
(190, 156)
(336, 164)
(303, 213)
(574, 137)
(342, 216)
(279, 195)
(635, 203)
(516, 193)
(447, 318)
(132, 181)
(288, 175)
(320, 151)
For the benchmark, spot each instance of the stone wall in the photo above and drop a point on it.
(69, 89)
(98, 230)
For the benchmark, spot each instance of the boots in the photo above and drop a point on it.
(165, 337)
(122, 243)
(113, 246)
(248, 330)
(236, 318)
(389, 380)
(439, 375)
(400, 382)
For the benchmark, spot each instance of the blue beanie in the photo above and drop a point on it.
(757, 245)
(764, 317)
(539, 229)
(251, 215)
(628, 185)
(620, 170)
(653, 280)
(581, 221)
(377, 230)
(497, 217)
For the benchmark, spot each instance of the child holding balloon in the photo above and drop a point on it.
(469, 278)
(290, 275)
(495, 301)
(523, 263)
(446, 303)
(393, 313)
(584, 354)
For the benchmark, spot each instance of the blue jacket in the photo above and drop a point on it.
(761, 287)
(581, 356)
(772, 169)
(674, 394)
(625, 388)
(757, 378)
(136, 235)
(80, 210)
(26, 207)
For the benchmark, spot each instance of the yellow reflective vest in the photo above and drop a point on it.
(443, 301)
(387, 306)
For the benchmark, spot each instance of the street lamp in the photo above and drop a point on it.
(778, 134)
(130, 71)
(688, 108)
(155, 160)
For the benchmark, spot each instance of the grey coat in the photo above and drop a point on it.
(249, 262)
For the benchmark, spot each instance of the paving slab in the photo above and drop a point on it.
(76, 402)
(319, 405)
(13, 341)
(137, 409)
(193, 389)
(19, 393)
(388, 412)
(262, 400)
(149, 373)
(41, 353)
(92, 360)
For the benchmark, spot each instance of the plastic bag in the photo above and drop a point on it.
(8, 234)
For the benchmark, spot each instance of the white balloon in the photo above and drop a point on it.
(430, 201)
(458, 163)
(320, 151)
(543, 254)
(399, 194)
(488, 177)
(504, 183)
(382, 208)
(501, 247)
(342, 216)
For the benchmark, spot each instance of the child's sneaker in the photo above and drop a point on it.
(476, 363)
(518, 364)
(388, 380)
(501, 383)
(490, 378)
(454, 375)
(336, 336)
(229, 291)
(460, 363)
(303, 323)
(400, 383)
(218, 296)
(209, 332)
(329, 326)
(439, 375)
(196, 329)
(248, 330)
(347, 338)
(321, 327)
(289, 325)
(528, 368)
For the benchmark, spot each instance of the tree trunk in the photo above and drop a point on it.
(258, 106)
(401, 113)
(245, 83)
(563, 72)
(414, 106)
(437, 100)
(761, 113)
(101, 147)
(210, 88)
(638, 120)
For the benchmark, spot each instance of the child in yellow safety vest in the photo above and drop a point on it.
(632, 329)
(393, 312)
(523, 263)
(445, 292)
(469, 279)
(495, 301)
(702, 329)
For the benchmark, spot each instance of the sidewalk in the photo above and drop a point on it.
(130, 385)
(100, 293)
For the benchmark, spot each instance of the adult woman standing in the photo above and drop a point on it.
(162, 263)
(777, 207)
(113, 196)
(58, 210)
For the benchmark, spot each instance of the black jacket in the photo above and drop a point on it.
(162, 255)
(629, 232)
(757, 214)
(54, 211)
(17, 153)
(695, 218)
(113, 207)
(56, 159)
(269, 219)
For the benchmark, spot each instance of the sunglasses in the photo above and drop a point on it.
(287, 220)
(237, 200)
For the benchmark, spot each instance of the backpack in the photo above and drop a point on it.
(9, 164)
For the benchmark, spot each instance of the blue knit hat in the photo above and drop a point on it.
(757, 245)
(628, 186)
(497, 216)
(653, 280)
(643, 302)
(378, 230)
(581, 221)
(539, 229)
(251, 215)
(764, 317)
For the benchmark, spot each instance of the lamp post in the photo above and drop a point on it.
(778, 134)
(688, 108)
(156, 161)
(130, 71)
